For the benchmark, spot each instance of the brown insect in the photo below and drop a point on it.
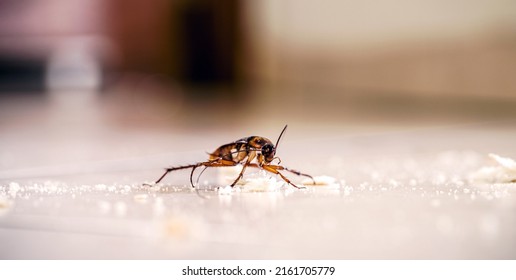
(244, 151)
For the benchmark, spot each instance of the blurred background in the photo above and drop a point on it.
(189, 64)
(74, 72)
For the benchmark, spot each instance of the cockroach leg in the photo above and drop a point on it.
(248, 162)
(299, 174)
(273, 169)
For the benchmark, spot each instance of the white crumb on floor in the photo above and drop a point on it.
(225, 190)
(503, 172)
(251, 182)
(506, 163)
(322, 180)
(261, 183)
(14, 188)
(227, 175)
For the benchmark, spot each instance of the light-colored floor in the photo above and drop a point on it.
(71, 187)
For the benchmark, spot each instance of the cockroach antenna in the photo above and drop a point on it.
(279, 138)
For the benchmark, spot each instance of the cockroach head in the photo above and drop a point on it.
(269, 150)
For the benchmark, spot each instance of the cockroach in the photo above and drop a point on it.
(252, 151)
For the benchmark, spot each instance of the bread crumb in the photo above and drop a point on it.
(262, 184)
(251, 181)
(322, 180)
(506, 163)
(503, 172)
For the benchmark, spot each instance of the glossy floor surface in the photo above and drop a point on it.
(71, 188)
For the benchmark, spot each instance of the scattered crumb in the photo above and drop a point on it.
(507, 163)
(323, 180)
(262, 181)
(14, 188)
(225, 190)
(251, 182)
(227, 175)
(503, 172)
(348, 190)
(154, 188)
(100, 187)
(262, 184)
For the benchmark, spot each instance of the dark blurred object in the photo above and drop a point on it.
(18, 73)
(211, 41)
(74, 44)
(52, 45)
(21, 75)
(198, 43)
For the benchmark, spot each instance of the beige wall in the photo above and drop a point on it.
(421, 48)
